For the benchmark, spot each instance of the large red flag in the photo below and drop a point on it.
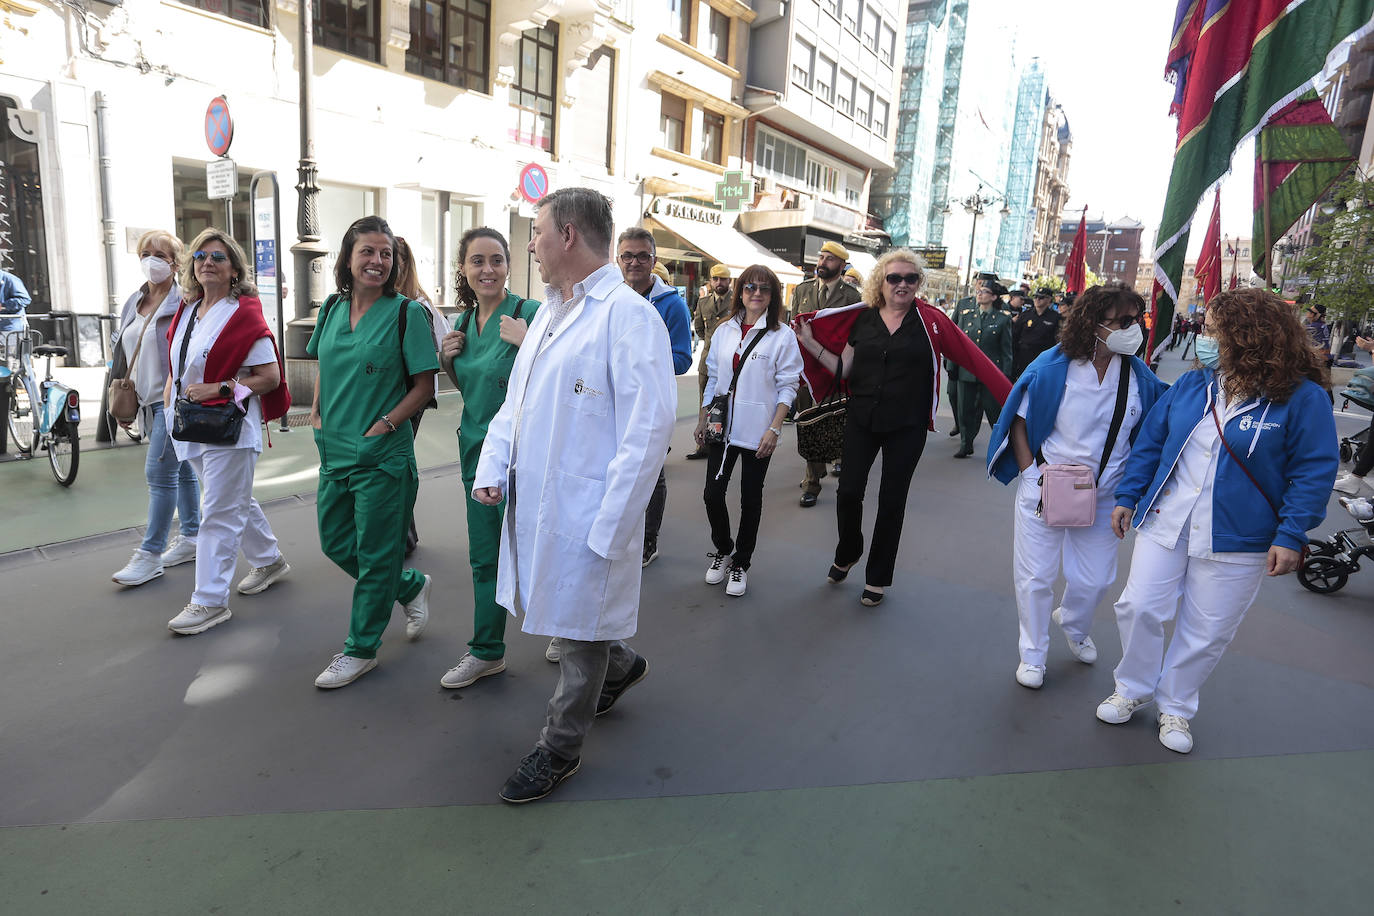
(1208, 272)
(1075, 276)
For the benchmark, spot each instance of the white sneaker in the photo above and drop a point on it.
(1032, 676)
(739, 581)
(715, 573)
(555, 650)
(197, 618)
(1174, 733)
(260, 577)
(343, 670)
(143, 566)
(1351, 485)
(469, 669)
(182, 550)
(1085, 651)
(1117, 709)
(417, 611)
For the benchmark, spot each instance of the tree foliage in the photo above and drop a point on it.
(1340, 264)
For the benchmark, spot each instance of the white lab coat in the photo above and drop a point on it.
(577, 447)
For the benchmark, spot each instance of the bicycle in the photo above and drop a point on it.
(50, 421)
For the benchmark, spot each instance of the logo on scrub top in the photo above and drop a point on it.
(372, 370)
(581, 387)
(1249, 423)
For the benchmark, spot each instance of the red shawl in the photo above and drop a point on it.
(244, 328)
(831, 328)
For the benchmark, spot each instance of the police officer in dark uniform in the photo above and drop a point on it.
(1035, 331)
(990, 328)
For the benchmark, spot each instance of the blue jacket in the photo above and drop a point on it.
(673, 309)
(1044, 378)
(1289, 448)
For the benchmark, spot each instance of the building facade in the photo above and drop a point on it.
(1016, 236)
(1051, 187)
(1113, 248)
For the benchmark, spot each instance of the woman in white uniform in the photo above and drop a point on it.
(1063, 410)
(1229, 472)
(221, 349)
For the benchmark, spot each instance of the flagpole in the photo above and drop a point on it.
(1262, 139)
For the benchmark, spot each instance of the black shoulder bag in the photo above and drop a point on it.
(192, 422)
(718, 414)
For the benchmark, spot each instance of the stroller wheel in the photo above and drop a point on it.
(1347, 451)
(1323, 575)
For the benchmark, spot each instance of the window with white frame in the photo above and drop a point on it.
(888, 46)
(832, 7)
(713, 137)
(672, 122)
(845, 101)
(853, 11)
(681, 11)
(803, 61)
(779, 158)
(825, 78)
(880, 109)
(872, 25)
(863, 105)
(718, 36)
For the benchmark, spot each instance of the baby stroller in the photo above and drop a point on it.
(1331, 561)
(1360, 392)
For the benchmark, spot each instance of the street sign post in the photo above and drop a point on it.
(266, 234)
(534, 183)
(733, 190)
(222, 183)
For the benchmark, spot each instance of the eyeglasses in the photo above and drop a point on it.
(1122, 321)
(218, 257)
(910, 279)
(635, 257)
(758, 287)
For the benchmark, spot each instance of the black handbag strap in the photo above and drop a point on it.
(744, 358)
(186, 342)
(1221, 434)
(1123, 389)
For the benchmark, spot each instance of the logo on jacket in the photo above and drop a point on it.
(1248, 423)
(581, 387)
(372, 370)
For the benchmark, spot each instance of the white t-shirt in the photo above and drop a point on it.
(203, 337)
(1085, 416)
(148, 379)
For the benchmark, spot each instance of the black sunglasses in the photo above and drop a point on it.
(217, 256)
(911, 279)
(758, 288)
(1122, 321)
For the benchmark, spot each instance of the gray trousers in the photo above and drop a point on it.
(583, 667)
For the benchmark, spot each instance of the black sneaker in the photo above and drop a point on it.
(610, 692)
(650, 552)
(538, 774)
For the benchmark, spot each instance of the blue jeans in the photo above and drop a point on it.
(172, 487)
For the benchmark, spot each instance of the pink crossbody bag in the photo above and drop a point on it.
(1068, 492)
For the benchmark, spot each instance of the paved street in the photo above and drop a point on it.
(790, 751)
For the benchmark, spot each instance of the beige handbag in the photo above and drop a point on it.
(123, 398)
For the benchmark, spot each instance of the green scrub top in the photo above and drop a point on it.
(481, 372)
(362, 376)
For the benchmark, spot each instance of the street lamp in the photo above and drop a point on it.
(1286, 247)
(975, 204)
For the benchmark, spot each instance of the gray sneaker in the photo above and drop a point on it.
(417, 611)
(554, 652)
(182, 550)
(260, 577)
(197, 618)
(143, 566)
(469, 669)
(344, 669)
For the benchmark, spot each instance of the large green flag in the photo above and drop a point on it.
(1235, 63)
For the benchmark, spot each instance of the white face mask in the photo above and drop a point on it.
(1125, 340)
(155, 270)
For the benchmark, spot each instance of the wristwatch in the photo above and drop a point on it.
(776, 432)
(225, 389)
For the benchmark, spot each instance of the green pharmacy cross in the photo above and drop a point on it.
(733, 190)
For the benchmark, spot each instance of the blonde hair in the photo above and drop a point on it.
(162, 236)
(241, 285)
(873, 284)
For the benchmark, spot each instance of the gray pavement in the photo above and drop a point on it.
(790, 751)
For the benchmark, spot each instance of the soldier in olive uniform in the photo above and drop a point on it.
(711, 309)
(990, 328)
(964, 305)
(824, 291)
(1035, 330)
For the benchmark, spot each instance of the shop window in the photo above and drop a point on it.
(23, 238)
(672, 121)
(713, 137)
(349, 27)
(448, 41)
(681, 11)
(803, 60)
(846, 94)
(825, 79)
(533, 92)
(253, 12)
(720, 36)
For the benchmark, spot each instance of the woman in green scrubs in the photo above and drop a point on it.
(376, 368)
(478, 355)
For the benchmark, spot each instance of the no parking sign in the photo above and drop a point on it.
(534, 182)
(219, 126)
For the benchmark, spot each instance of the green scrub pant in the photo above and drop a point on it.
(484, 552)
(975, 400)
(363, 521)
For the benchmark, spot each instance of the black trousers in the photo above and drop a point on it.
(753, 470)
(901, 450)
(1364, 460)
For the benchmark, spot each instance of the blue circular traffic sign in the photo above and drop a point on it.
(219, 126)
(534, 182)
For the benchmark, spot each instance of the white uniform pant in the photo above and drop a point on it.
(1215, 596)
(1087, 557)
(229, 516)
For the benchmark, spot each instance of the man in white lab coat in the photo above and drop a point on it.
(576, 449)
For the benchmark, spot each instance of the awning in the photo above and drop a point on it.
(724, 244)
(863, 262)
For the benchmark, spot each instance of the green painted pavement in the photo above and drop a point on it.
(1255, 835)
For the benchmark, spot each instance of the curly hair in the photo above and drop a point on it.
(873, 284)
(1265, 351)
(758, 273)
(467, 296)
(1078, 331)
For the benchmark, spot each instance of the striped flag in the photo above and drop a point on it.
(1208, 271)
(1234, 63)
(1076, 267)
